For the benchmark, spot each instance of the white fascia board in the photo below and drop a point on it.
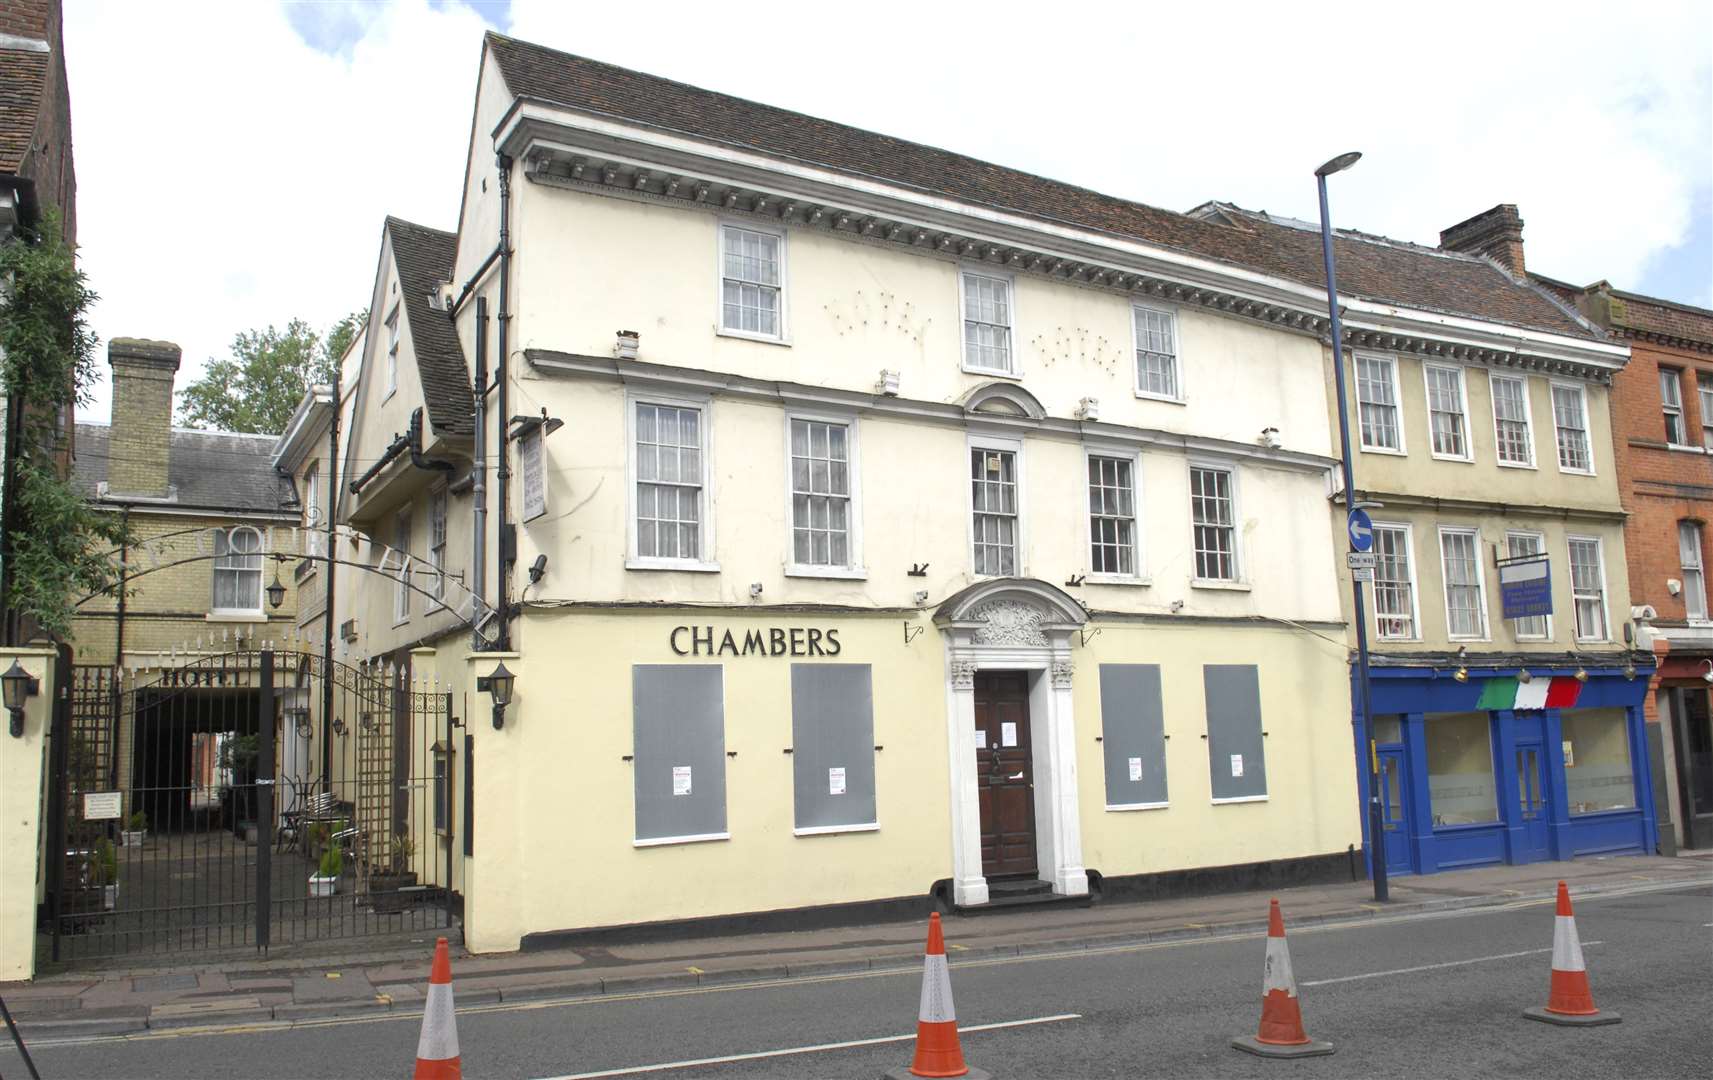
(1462, 330)
(307, 424)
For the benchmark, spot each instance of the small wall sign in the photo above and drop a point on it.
(102, 805)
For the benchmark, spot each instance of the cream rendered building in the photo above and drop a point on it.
(863, 523)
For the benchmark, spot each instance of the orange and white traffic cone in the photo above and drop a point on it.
(1281, 1034)
(1569, 1002)
(437, 1049)
(937, 1049)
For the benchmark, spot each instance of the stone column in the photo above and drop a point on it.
(969, 884)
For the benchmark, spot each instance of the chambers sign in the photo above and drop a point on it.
(774, 641)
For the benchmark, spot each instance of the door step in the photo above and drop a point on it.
(1005, 895)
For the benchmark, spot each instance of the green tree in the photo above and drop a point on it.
(56, 543)
(258, 387)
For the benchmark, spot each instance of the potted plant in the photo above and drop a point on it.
(104, 872)
(318, 834)
(136, 830)
(385, 888)
(332, 867)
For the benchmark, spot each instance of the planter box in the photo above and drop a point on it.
(322, 886)
(392, 892)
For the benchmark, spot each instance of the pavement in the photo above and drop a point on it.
(282, 993)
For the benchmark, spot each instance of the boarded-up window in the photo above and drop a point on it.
(679, 747)
(1133, 735)
(832, 735)
(1235, 751)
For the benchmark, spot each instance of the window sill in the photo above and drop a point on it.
(401, 622)
(990, 373)
(1517, 465)
(1685, 448)
(1383, 450)
(746, 335)
(1575, 472)
(1396, 640)
(1220, 585)
(237, 616)
(839, 573)
(1593, 641)
(1465, 637)
(1122, 580)
(833, 830)
(687, 565)
(1115, 808)
(1454, 459)
(1164, 398)
(666, 841)
(1240, 799)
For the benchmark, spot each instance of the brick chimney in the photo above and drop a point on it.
(1497, 233)
(142, 416)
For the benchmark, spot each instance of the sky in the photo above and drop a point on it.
(235, 158)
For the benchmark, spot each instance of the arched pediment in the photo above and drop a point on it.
(1010, 611)
(1003, 399)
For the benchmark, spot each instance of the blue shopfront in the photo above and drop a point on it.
(1508, 765)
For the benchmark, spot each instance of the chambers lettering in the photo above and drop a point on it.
(774, 641)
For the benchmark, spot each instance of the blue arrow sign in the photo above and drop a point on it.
(1361, 530)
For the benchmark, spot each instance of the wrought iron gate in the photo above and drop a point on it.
(194, 807)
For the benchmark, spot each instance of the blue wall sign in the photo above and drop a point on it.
(1361, 530)
(1525, 586)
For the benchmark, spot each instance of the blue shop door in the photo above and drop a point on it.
(1532, 801)
(1394, 812)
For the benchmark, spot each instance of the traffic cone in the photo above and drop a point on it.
(1569, 1001)
(1281, 1034)
(437, 1050)
(937, 1049)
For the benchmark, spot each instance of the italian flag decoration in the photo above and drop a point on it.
(1558, 692)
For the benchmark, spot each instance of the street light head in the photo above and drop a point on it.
(1339, 163)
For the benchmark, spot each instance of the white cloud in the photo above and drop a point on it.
(231, 175)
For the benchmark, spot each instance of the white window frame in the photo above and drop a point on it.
(1673, 377)
(1494, 377)
(533, 441)
(854, 569)
(1698, 567)
(1541, 548)
(976, 442)
(703, 404)
(1605, 603)
(439, 515)
(1486, 631)
(1239, 565)
(1462, 374)
(1704, 392)
(1587, 434)
(1136, 311)
(1139, 553)
(261, 572)
(402, 526)
(1415, 586)
(1397, 403)
(392, 325)
(720, 327)
(1014, 368)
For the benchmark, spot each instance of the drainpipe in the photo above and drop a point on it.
(327, 611)
(479, 472)
(502, 475)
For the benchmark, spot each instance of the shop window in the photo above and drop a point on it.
(678, 752)
(1460, 769)
(1597, 770)
(1236, 756)
(1133, 735)
(832, 751)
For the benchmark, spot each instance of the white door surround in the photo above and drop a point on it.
(1015, 624)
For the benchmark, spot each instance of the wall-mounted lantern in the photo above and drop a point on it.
(276, 591)
(499, 686)
(339, 726)
(19, 685)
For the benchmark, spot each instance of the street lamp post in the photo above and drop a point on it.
(1376, 821)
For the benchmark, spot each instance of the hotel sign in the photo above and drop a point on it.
(1525, 586)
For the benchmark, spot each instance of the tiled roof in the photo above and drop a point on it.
(1368, 267)
(212, 470)
(424, 258)
(23, 76)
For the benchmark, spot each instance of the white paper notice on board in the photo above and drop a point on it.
(680, 779)
(836, 781)
(1135, 769)
(101, 805)
(1236, 764)
(1008, 734)
(981, 738)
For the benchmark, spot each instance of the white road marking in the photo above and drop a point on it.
(788, 1051)
(1436, 967)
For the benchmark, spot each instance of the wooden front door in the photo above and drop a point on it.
(1005, 775)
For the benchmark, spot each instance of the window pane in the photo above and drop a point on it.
(1445, 410)
(1464, 608)
(1597, 770)
(1511, 427)
(819, 469)
(1211, 514)
(1588, 589)
(1394, 596)
(1572, 430)
(993, 497)
(1460, 768)
(1376, 403)
(1693, 574)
